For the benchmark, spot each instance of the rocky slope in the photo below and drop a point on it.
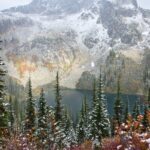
(72, 36)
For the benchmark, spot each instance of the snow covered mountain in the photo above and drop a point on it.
(70, 35)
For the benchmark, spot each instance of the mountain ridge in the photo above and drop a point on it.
(73, 42)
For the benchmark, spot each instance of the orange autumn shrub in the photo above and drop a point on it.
(111, 143)
(138, 143)
(148, 116)
(87, 145)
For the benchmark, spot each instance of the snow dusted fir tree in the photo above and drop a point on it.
(99, 123)
(11, 115)
(70, 139)
(149, 97)
(136, 111)
(145, 121)
(126, 112)
(93, 121)
(105, 122)
(58, 107)
(50, 126)
(81, 129)
(59, 126)
(19, 115)
(42, 121)
(3, 112)
(118, 104)
(86, 111)
(30, 111)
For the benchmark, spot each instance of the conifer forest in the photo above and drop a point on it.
(75, 75)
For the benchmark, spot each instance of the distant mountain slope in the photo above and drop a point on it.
(73, 36)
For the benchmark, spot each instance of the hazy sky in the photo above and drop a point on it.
(144, 3)
(4, 4)
(10, 3)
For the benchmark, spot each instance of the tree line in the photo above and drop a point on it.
(46, 127)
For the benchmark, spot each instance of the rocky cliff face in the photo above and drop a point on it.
(73, 36)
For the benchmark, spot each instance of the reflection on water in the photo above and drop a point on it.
(73, 100)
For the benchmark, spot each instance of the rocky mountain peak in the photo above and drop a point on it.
(53, 7)
(128, 3)
(59, 7)
(70, 35)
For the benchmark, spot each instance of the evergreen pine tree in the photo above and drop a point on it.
(103, 112)
(80, 130)
(99, 123)
(126, 113)
(94, 94)
(145, 119)
(42, 120)
(30, 110)
(145, 116)
(112, 126)
(136, 110)
(70, 135)
(19, 115)
(92, 115)
(42, 123)
(50, 126)
(11, 115)
(58, 107)
(59, 134)
(3, 112)
(118, 105)
(149, 97)
(86, 111)
(20, 119)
